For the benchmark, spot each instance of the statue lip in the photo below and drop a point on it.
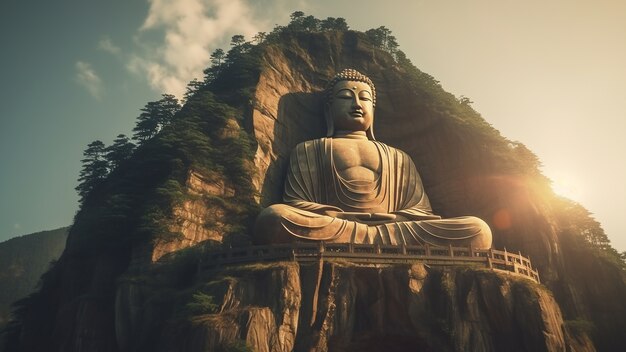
(356, 113)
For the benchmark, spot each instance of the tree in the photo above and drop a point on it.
(95, 168)
(217, 57)
(192, 87)
(217, 60)
(259, 37)
(155, 115)
(379, 36)
(237, 40)
(310, 24)
(402, 59)
(299, 22)
(296, 16)
(120, 150)
(334, 24)
(239, 47)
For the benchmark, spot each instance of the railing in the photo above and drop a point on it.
(374, 254)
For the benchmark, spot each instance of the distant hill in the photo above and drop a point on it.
(23, 260)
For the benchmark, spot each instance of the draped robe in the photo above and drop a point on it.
(314, 186)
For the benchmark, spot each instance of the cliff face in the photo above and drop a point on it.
(344, 307)
(23, 260)
(129, 279)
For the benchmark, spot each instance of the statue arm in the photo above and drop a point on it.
(416, 214)
(413, 202)
(304, 188)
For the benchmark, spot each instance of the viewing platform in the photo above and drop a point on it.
(302, 252)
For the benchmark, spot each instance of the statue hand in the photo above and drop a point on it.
(366, 218)
(348, 215)
(382, 217)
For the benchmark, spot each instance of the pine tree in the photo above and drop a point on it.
(334, 24)
(217, 57)
(95, 168)
(155, 115)
(217, 62)
(192, 87)
(237, 40)
(259, 37)
(120, 150)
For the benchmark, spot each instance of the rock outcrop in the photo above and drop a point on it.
(345, 307)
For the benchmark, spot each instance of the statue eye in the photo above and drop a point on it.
(344, 94)
(366, 96)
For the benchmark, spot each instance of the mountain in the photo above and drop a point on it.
(23, 260)
(131, 277)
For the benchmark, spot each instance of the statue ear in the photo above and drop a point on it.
(330, 126)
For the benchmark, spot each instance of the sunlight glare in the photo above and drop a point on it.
(567, 187)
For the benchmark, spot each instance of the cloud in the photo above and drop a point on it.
(88, 78)
(106, 44)
(191, 30)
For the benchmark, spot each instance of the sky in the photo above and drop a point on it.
(549, 74)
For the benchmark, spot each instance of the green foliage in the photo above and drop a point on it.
(200, 304)
(579, 222)
(193, 87)
(259, 37)
(154, 117)
(121, 149)
(334, 24)
(237, 40)
(382, 38)
(95, 169)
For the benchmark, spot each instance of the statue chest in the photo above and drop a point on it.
(356, 160)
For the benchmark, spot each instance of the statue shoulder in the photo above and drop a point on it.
(391, 150)
(396, 154)
(307, 146)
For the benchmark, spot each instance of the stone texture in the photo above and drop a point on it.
(367, 308)
(193, 216)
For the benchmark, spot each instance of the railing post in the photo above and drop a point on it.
(451, 250)
(471, 250)
(427, 247)
(403, 248)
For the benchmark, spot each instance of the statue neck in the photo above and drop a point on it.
(350, 134)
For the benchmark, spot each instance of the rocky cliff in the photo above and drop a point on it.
(346, 307)
(129, 278)
(23, 260)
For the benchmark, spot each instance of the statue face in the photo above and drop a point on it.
(351, 107)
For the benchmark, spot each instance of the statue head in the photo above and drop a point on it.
(350, 101)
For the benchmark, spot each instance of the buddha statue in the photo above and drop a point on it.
(350, 188)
